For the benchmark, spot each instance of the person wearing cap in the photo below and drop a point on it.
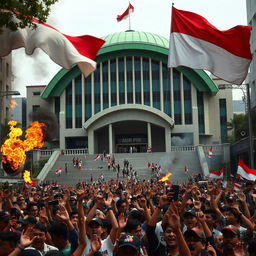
(95, 226)
(4, 221)
(232, 244)
(128, 245)
(189, 219)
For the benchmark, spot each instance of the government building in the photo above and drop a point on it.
(133, 101)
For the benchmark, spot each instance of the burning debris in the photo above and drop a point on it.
(14, 149)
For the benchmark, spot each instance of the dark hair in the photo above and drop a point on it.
(59, 229)
(40, 227)
(212, 212)
(9, 236)
(75, 211)
(30, 205)
(107, 224)
(131, 225)
(54, 253)
(120, 202)
(252, 245)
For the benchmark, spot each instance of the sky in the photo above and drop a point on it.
(98, 18)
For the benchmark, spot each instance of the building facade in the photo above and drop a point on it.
(251, 18)
(5, 86)
(133, 101)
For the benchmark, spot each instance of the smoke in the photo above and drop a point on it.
(45, 116)
(168, 162)
(184, 139)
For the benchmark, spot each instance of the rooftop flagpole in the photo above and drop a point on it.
(129, 17)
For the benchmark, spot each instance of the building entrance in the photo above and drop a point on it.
(132, 148)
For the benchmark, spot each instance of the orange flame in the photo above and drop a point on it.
(166, 177)
(14, 149)
(12, 105)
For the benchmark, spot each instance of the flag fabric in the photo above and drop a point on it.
(245, 171)
(217, 174)
(197, 44)
(126, 13)
(185, 169)
(85, 157)
(237, 187)
(96, 157)
(63, 49)
(210, 152)
(58, 171)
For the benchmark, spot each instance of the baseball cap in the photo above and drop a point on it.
(231, 228)
(195, 231)
(129, 240)
(96, 220)
(4, 216)
(28, 220)
(190, 212)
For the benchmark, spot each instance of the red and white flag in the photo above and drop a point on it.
(126, 13)
(197, 44)
(185, 169)
(96, 157)
(63, 49)
(58, 171)
(217, 174)
(237, 187)
(85, 157)
(245, 171)
(210, 152)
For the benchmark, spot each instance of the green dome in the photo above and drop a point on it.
(139, 37)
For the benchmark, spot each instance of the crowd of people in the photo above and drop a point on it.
(130, 217)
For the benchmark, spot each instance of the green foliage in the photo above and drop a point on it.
(239, 122)
(23, 11)
(36, 167)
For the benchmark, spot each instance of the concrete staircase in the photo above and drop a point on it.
(173, 162)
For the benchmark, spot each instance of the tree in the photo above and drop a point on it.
(22, 12)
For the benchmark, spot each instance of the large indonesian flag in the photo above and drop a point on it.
(245, 171)
(197, 44)
(126, 13)
(62, 49)
(217, 174)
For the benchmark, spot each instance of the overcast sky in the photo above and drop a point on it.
(98, 18)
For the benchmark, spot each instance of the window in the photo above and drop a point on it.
(36, 93)
(35, 108)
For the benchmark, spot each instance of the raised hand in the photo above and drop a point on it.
(25, 238)
(173, 217)
(109, 200)
(122, 220)
(63, 214)
(95, 243)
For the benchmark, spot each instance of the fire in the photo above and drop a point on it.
(12, 105)
(14, 149)
(166, 177)
(26, 177)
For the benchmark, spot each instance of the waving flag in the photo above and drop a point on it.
(237, 187)
(96, 157)
(217, 174)
(197, 44)
(210, 152)
(126, 13)
(245, 171)
(63, 49)
(185, 169)
(58, 171)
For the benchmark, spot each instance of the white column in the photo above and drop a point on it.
(73, 105)
(110, 138)
(92, 95)
(133, 81)
(125, 82)
(168, 139)
(141, 80)
(101, 88)
(109, 85)
(149, 135)
(182, 99)
(83, 103)
(161, 87)
(117, 83)
(90, 133)
(171, 91)
(150, 83)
